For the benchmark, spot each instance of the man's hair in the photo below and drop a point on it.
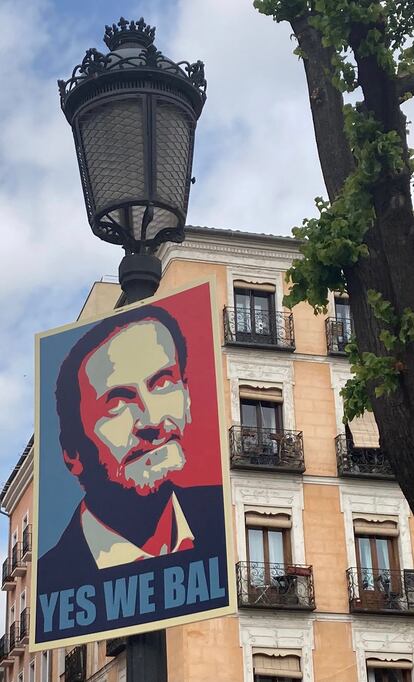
(68, 396)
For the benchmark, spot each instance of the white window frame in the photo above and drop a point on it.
(20, 677)
(25, 521)
(15, 537)
(23, 594)
(32, 666)
(45, 663)
(12, 609)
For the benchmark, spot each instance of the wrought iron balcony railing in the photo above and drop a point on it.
(27, 543)
(381, 591)
(14, 636)
(75, 664)
(115, 646)
(18, 566)
(275, 586)
(4, 647)
(338, 334)
(361, 462)
(24, 624)
(7, 580)
(252, 448)
(259, 328)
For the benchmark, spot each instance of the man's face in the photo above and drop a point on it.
(134, 405)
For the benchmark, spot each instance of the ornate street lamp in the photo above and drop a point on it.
(133, 114)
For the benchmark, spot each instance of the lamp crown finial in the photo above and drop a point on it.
(128, 31)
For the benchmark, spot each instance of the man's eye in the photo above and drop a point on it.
(163, 383)
(116, 406)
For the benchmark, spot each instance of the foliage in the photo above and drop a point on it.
(334, 241)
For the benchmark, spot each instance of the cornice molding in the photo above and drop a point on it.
(17, 488)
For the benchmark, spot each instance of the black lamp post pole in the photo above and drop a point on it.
(146, 654)
(133, 114)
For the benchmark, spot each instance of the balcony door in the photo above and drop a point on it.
(343, 321)
(261, 421)
(378, 575)
(268, 552)
(254, 315)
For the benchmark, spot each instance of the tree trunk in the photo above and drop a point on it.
(388, 268)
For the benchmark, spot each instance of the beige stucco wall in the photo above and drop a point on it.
(208, 651)
(334, 659)
(315, 416)
(325, 546)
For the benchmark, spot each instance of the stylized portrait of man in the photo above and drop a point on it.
(124, 405)
(131, 503)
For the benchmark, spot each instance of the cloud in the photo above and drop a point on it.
(255, 158)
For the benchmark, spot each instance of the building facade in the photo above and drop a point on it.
(323, 536)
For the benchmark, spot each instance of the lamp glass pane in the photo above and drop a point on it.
(174, 141)
(113, 142)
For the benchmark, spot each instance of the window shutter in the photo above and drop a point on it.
(268, 517)
(364, 431)
(273, 395)
(254, 286)
(277, 665)
(402, 664)
(378, 526)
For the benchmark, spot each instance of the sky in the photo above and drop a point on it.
(255, 159)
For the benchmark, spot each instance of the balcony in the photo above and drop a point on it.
(16, 646)
(265, 449)
(361, 462)
(27, 544)
(24, 626)
(18, 566)
(5, 658)
(115, 646)
(338, 334)
(75, 664)
(7, 582)
(260, 329)
(275, 586)
(380, 591)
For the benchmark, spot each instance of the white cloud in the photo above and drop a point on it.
(255, 160)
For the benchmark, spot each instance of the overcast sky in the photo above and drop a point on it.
(255, 158)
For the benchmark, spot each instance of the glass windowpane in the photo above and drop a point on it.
(249, 414)
(366, 563)
(256, 548)
(276, 553)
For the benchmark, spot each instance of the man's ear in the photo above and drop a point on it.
(74, 464)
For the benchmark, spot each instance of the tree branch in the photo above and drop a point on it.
(405, 85)
(327, 108)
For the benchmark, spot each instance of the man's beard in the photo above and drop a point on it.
(133, 515)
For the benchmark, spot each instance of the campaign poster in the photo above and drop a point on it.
(132, 509)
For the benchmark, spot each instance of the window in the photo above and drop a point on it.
(23, 601)
(377, 560)
(61, 661)
(45, 667)
(25, 521)
(261, 414)
(342, 308)
(20, 676)
(12, 614)
(14, 538)
(255, 310)
(32, 671)
(268, 547)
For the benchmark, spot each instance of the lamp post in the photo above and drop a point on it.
(133, 114)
